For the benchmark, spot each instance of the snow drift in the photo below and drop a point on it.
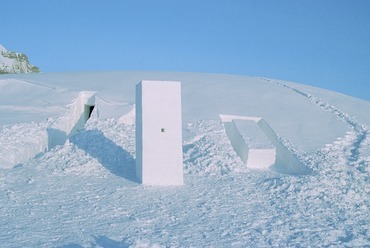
(84, 193)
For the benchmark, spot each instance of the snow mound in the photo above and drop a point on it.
(210, 150)
(83, 192)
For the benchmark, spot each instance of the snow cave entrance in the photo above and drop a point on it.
(88, 111)
(59, 131)
(79, 113)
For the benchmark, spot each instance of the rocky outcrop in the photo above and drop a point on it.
(11, 62)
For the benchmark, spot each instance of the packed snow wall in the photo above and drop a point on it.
(24, 141)
(21, 142)
(79, 112)
(159, 133)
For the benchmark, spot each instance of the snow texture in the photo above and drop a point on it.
(84, 192)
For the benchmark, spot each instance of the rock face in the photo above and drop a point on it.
(11, 62)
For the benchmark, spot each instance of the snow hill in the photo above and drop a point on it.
(67, 180)
(11, 62)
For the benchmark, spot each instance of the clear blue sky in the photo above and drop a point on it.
(325, 43)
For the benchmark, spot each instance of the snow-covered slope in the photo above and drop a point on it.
(83, 193)
(11, 62)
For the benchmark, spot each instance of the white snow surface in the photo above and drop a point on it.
(84, 193)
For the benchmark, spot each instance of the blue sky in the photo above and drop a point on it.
(320, 43)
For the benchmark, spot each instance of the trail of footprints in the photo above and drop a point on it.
(361, 131)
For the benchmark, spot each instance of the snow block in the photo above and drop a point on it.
(159, 133)
(258, 146)
(251, 144)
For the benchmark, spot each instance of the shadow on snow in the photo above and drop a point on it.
(107, 242)
(114, 158)
(101, 241)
